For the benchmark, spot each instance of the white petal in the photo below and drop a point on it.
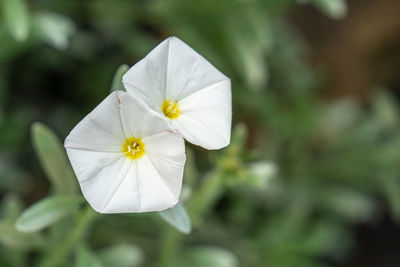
(108, 182)
(99, 174)
(142, 189)
(206, 116)
(88, 163)
(166, 152)
(155, 193)
(188, 71)
(174, 71)
(113, 183)
(138, 119)
(154, 184)
(100, 130)
(146, 79)
(126, 196)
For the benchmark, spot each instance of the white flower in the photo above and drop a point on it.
(177, 82)
(126, 158)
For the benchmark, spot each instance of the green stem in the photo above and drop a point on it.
(200, 203)
(205, 198)
(60, 253)
(170, 244)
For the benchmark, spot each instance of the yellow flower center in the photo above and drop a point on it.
(133, 148)
(171, 109)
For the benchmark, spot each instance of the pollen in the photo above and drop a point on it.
(133, 148)
(170, 109)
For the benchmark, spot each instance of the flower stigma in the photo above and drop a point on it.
(171, 109)
(133, 148)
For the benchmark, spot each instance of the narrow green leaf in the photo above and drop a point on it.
(47, 212)
(349, 204)
(57, 255)
(53, 159)
(84, 258)
(336, 9)
(250, 60)
(261, 173)
(124, 255)
(55, 29)
(117, 80)
(385, 109)
(12, 238)
(208, 257)
(16, 17)
(12, 207)
(177, 217)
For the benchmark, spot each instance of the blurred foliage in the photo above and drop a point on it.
(300, 172)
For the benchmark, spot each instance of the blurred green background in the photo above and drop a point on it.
(310, 179)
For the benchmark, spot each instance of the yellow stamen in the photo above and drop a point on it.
(133, 148)
(171, 109)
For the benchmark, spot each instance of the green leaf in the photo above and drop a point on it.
(208, 257)
(57, 255)
(12, 238)
(16, 17)
(347, 203)
(336, 9)
(47, 212)
(250, 54)
(53, 159)
(385, 109)
(177, 217)
(12, 207)
(123, 255)
(117, 80)
(54, 29)
(261, 172)
(338, 117)
(239, 135)
(85, 258)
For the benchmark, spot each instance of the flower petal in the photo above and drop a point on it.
(99, 174)
(188, 71)
(142, 189)
(146, 80)
(206, 116)
(100, 130)
(138, 119)
(174, 71)
(154, 184)
(113, 183)
(126, 196)
(87, 163)
(166, 152)
(155, 194)
(155, 181)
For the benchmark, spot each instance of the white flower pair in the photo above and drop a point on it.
(128, 153)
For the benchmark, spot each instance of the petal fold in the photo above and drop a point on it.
(166, 151)
(207, 116)
(100, 130)
(138, 119)
(114, 183)
(188, 71)
(174, 71)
